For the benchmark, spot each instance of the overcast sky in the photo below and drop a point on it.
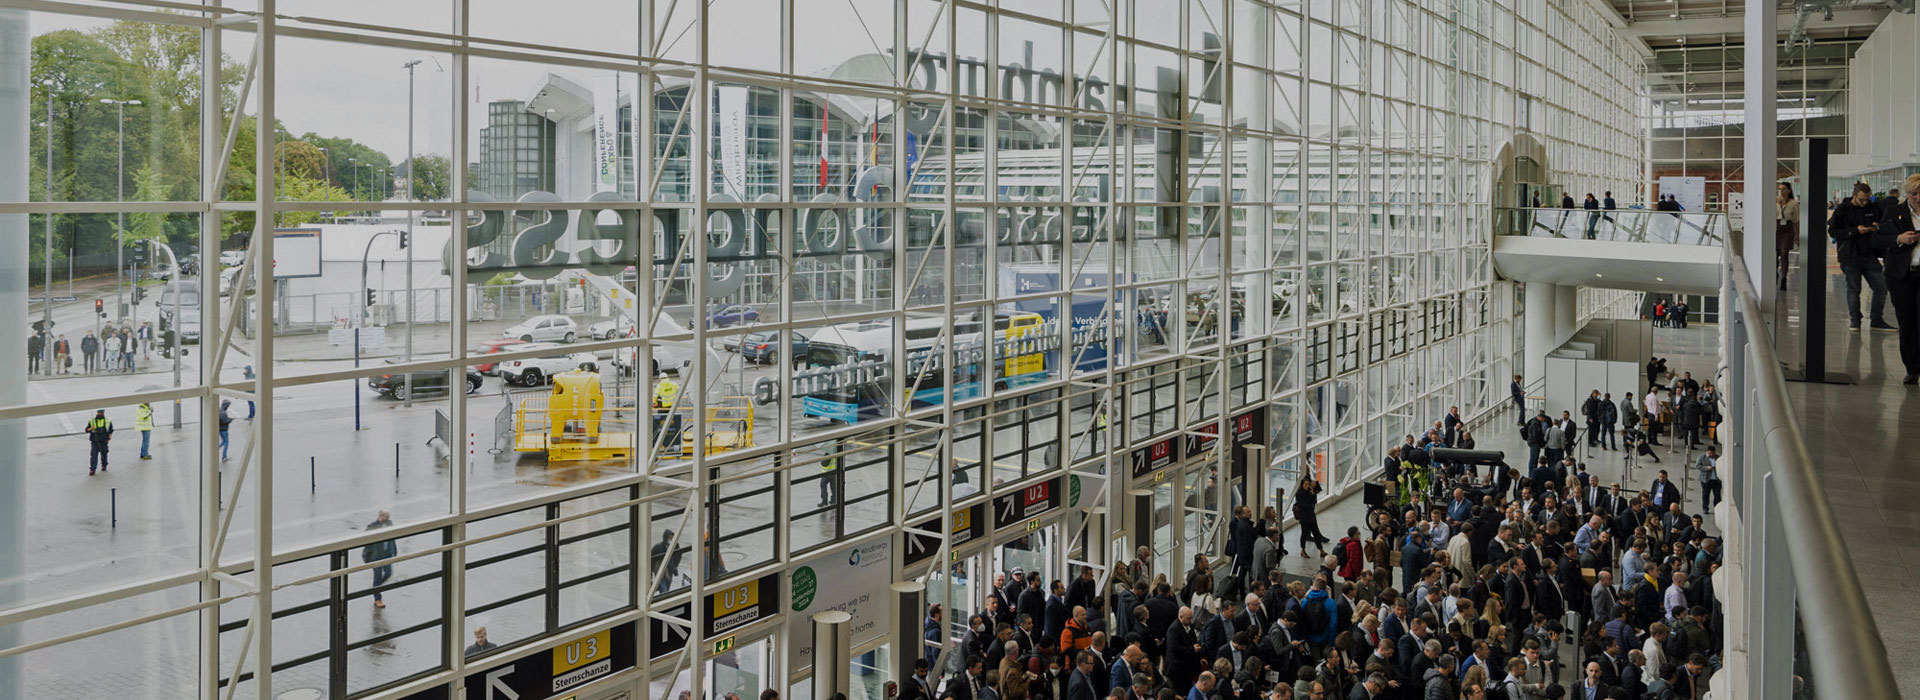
(360, 92)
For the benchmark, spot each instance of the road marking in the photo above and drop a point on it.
(66, 422)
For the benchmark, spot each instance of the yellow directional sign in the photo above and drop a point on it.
(582, 651)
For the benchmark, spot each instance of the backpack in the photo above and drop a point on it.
(1340, 552)
(1314, 621)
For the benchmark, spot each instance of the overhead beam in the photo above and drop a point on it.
(1733, 26)
(1611, 14)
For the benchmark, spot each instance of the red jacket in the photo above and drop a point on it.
(1356, 563)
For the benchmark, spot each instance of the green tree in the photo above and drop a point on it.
(433, 179)
(146, 225)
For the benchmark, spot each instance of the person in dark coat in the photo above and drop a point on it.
(1081, 593)
(1080, 684)
(1182, 660)
(1057, 613)
(36, 345)
(1690, 412)
(1033, 600)
(99, 433)
(1519, 600)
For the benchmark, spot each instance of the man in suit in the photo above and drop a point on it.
(1897, 240)
(1237, 650)
(1610, 660)
(1266, 554)
(1162, 612)
(1519, 400)
(1057, 612)
(1286, 646)
(1519, 601)
(1633, 677)
(917, 687)
(1450, 426)
(1372, 687)
(1080, 684)
(1253, 615)
(1664, 492)
(1591, 687)
(1182, 664)
(1218, 631)
(1120, 674)
(1413, 646)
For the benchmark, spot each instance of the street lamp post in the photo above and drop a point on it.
(365, 309)
(46, 270)
(120, 232)
(407, 240)
(179, 345)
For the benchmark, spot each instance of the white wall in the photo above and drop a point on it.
(1883, 93)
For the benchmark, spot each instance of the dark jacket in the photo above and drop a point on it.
(1080, 687)
(1886, 242)
(89, 345)
(1162, 612)
(1850, 245)
(1437, 686)
(1057, 616)
(1033, 603)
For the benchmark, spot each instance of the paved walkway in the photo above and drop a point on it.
(1863, 438)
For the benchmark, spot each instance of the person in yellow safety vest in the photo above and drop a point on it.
(99, 431)
(1099, 428)
(828, 490)
(665, 392)
(143, 422)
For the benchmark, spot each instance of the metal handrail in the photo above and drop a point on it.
(1849, 659)
(1614, 225)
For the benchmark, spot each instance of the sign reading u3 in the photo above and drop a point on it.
(582, 651)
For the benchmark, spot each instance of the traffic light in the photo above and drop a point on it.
(100, 308)
(370, 300)
(138, 294)
(403, 239)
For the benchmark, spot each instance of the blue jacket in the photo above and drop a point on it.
(1325, 636)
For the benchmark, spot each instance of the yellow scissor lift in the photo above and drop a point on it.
(569, 425)
(729, 427)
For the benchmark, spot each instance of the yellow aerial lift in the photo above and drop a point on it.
(569, 425)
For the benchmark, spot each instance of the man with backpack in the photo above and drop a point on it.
(1351, 559)
(1318, 613)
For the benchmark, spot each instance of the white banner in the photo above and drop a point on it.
(1690, 192)
(733, 140)
(855, 580)
(606, 134)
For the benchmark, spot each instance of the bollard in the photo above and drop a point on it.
(396, 460)
(312, 485)
(113, 506)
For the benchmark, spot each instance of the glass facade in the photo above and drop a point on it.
(746, 302)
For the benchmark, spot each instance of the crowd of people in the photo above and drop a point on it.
(1505, 586)
(114, 349)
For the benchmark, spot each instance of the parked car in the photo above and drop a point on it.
(232, 258)
(394, 386)
(608, 330)
(539, 370)
(672, 359)
(732, 315)
(548, 327)
(761, 347)
(500, 345)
